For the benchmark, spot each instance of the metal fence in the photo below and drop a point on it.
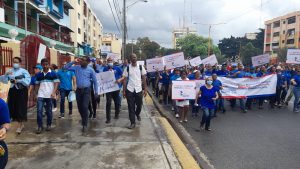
(6, 57)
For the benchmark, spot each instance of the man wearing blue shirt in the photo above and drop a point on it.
(115, 95)
(223, 72)
(220, 101)
(65, 87)
(85, 76)
(296, 83)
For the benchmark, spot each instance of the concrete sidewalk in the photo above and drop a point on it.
(103, 146)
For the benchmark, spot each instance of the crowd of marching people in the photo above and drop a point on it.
(209, 99)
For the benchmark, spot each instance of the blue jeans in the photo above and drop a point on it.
(220, 104)
(242, 103)
(207, 113)
(48, 106)
(297, 97)
(63, 94)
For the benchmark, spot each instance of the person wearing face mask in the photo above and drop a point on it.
(65, 87)
(115, 94)
(208, 95)
(18, 92)
(85, 76)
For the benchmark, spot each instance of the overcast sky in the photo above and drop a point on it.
(157, 18)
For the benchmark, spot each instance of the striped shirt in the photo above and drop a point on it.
(46, 82)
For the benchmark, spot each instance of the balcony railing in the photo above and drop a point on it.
(35, 26)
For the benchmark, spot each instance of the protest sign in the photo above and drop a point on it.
(260, 59)
(141, 62)
(114, 56)
(174, 60)
(248, 87)
(42, 53)
(106, 82)
(195, 61)
(155, 64)
(182, 90)
(293, 56)
(187, 62)
(212, 60)
(199, 83)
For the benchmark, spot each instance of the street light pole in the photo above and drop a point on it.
(25, 13)
(208, 52)
(124, 31)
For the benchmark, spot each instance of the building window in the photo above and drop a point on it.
(268, 35)
(290, 41)
(283, 32)
(78, 2)
(269, 26)
(291, 20)
(282, 41)
(275, 44)
(276, 24)
(79, 31)
(283, 22)
(291, 32)
(275, 34)
(79, 16)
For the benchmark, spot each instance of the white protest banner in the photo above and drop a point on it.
(199, 83)
(212, 60)
(155, 64)
(114, 56)
(195, 61)
(106, 82)
(174, 60)
(182, 90)
(141, 62)
(293, 56)
(42, 52)
(187, 62)
(260, 59)
(248, 87)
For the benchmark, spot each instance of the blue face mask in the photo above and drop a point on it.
(209, 82)
(110, 64)
(16, 65)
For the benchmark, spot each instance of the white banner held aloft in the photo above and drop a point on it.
(293, 56)
(114, 56)
(260, 59)
(174, 60)
(182, 90)
(212, 60)
(42, 52)
(195, 61)
(155, 64)
(106, 82)
(141, 62)
(248, 87)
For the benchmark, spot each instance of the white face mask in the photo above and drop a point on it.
(209, 82)
(16, 65)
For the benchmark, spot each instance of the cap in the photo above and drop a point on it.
(38, 66)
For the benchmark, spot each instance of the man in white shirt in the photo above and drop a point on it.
(134, 87)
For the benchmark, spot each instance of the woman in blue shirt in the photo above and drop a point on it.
(208, 94)
(296, 83)
(18, 92)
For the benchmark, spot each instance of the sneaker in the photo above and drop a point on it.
(296, 111)
(245, 111)
(176, 115)
(107, 121)
(139, 118)
(84, 129)
(54, 110)
(173, 108)
(61, 116)
(116, 116)
(48, 128)
(208, 129)
(39, 130)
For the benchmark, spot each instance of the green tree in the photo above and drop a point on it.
(194, 45)
(247, 52)
(281, 54)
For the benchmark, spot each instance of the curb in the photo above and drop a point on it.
(186, 138)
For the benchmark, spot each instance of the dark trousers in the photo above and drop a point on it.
(92, 104)
(63, 94)
(41, 102)
(134, 101)
(83, 99)
(54, 103)
(207, 113)
(152, 82)
(109, 97)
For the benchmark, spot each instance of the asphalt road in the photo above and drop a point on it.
(259, 139)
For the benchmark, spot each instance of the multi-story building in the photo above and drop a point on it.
(87, 28)
(181, 32)
(111, 44)
(282, 31)
(49, 19)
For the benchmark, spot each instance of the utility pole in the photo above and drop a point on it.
(208, 52)
(25, 14)
(124, 31)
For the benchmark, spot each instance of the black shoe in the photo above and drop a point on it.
(224, 111)
(116, 116)
(84, 129)
(48, 128)
(139, 118)
(132, 126)
(107, 121)
(70, 113)
(208, 129)
(39, 130)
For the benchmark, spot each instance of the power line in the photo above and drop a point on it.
(118, 12)
(114, 16)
